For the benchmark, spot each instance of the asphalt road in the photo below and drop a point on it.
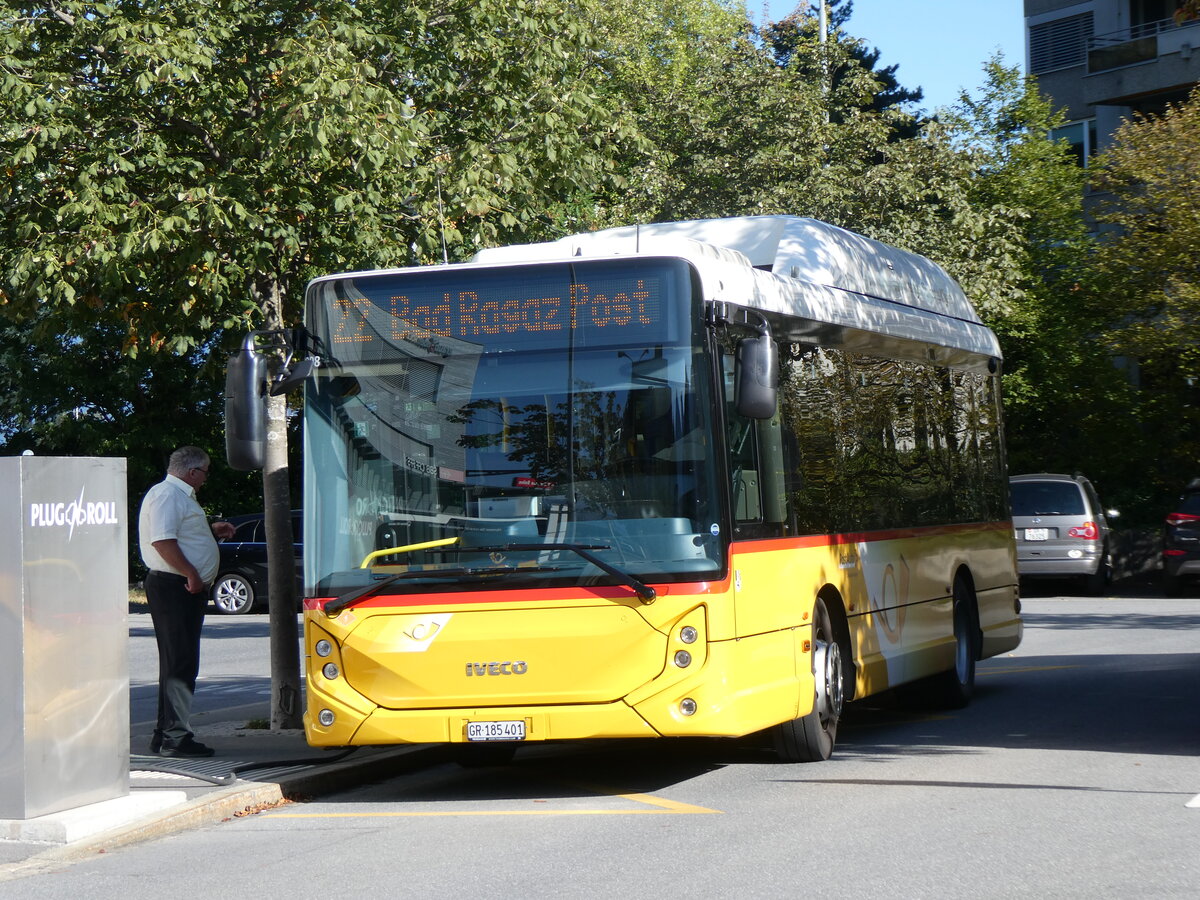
(235, 666)
(1069, 776)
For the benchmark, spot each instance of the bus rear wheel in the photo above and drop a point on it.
(811, 738)
(954, 688)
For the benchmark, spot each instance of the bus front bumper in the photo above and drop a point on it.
(743, 686)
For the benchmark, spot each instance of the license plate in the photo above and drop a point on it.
(1037, 534)
(496, 731)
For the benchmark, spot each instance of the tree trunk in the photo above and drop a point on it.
(281, 557)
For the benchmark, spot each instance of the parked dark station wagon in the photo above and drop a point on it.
(1181, 541)
(241, 585)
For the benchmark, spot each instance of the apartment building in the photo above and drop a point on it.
(1104, 60)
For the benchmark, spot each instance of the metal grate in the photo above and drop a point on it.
(211, 771)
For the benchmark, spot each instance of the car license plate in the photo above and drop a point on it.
(496, 731)
(1037, 534)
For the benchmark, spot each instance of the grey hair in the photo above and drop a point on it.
(185, 459)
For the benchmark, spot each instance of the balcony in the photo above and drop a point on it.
(1141, 44)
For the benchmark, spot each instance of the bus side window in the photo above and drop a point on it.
(742, 441)
(772, 468)
(759, 477)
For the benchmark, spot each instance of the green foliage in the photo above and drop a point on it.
(1151, 176)
(77, 394)
(185, 167)
(1149, 279)
(1069, 407)
(745, 135)
(795, 32)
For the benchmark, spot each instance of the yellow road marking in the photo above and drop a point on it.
(671, 806)
(664, 807)
(499, 812)
(668, 805)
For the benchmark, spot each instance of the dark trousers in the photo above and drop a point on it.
(178, 617)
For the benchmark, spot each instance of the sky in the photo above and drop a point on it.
(940, 45)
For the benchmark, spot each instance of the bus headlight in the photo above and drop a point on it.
(330, 671)
(326, 717)
(323, 647)
(683, 659)
(687, 706)
(688, 634)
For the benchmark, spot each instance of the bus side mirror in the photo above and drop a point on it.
(757, 377)
(246, 409)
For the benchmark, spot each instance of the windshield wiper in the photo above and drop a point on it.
(644, 592)
(335, 606)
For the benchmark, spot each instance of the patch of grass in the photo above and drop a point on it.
(258, 724)
(137, 599)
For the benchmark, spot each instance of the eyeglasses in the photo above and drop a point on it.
(203, 469)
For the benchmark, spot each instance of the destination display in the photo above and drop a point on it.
(520, 306)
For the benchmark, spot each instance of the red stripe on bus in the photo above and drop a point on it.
(766, 545)
(770, 545)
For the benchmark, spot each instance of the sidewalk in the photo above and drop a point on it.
(253, 769)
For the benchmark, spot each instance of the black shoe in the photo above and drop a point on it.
(156, 742)
(186, 749)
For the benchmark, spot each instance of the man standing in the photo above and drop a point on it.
(179, 548)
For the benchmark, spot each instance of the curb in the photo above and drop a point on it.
(244, 797)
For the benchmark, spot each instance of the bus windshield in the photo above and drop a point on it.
(469, 422)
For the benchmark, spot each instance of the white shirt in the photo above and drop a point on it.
(170, 511)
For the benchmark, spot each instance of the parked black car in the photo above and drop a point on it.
(241, 583)
(1181, 541)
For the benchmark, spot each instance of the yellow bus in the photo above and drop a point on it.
(709, 478)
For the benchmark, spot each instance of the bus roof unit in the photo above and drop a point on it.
(798, 266)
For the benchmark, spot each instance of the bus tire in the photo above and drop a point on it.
(954, 688)
(810, 738)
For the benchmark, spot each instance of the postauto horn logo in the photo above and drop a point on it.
(73, 514)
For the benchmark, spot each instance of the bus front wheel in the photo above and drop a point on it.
(811, 738)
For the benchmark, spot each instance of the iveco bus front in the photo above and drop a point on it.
(617, 486)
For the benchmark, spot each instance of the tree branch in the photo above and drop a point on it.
(61, 15)
(205, 138)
